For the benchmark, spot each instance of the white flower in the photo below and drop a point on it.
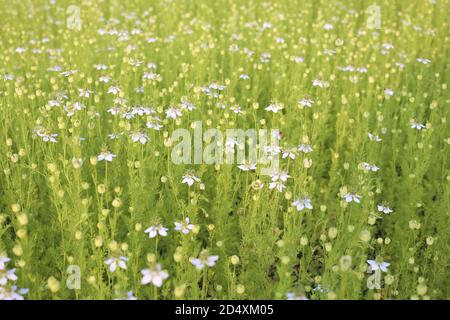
(306, 102)
(274, 107)
(68, 73)
(115, 262)
(273, 149)
(114, 110)
(267, 25)
(328, 26)
(3, 261)
(153, 231)
(154, 124)
(277, 185)
(113, 136)
(106, 155)
(128, 115)
(288, 153)
(349, 68)
(375, 265)
(186, 105)
(217, 86)
(113, 90)
(104, 79)
(389, 92)
(84, 93)
(6, 275)
(305, 148)
(417, 125)
(329, 52)
(362, 70)
(139, 137)
(283, 176)
(247, 167)
(151, 76)
(72, 108)
(189, 179)
(173, 113)
(318, 83)
(302, 203)
(155, 275)
(204, 260)
(387, 46)
(8, 77)
(56, 68)
(208, 92)
(384, 209)
(236, 109)
(320, 289)
(120, 101)
(132, 62)
(11, 293)
(244, 76)
(293, 296)
(350, 197)
(77, 106)
(184, 226)
(54, 103)
(375, 138)
(423, 60)
(140, 111)
(48, 137)
(100, 67)
(370, 167)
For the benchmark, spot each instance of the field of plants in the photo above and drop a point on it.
(355, 95)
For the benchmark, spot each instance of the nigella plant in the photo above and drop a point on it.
(204, 150)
